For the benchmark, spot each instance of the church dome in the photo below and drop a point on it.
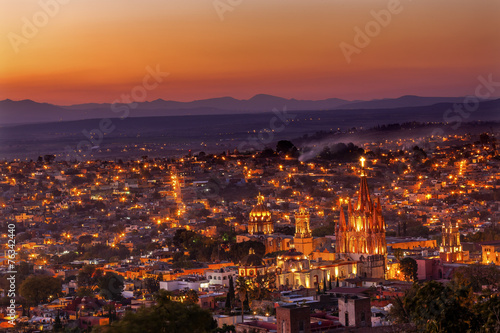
(251, 259)
(260, 219)
(292, 254)
(260, 211)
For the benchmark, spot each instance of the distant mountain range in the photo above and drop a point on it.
(173, 135)
(28, 111)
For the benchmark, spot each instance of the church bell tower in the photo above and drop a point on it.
(302, 240)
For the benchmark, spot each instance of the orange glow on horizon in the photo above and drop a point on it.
(94, 51)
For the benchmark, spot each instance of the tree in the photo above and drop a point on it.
(49, 158)
(246, 304)
(230, 296)
(488, 314)
(433, 307)
(476, 276)
(399, 312)
(261, 285)
(111, 308)
(226, 329)
(267, 153)
(88, 276)
(57, 324)
(484, 138)
(152, 285)
(409, 267)
(165, 316)
(84, 291)
(242, 289)
(40, 288)
(191, 296)
(227, 305)
(324, 231)
(85, 239)
(24, 270)
(111, 286)
(231, 289)
(285, 147)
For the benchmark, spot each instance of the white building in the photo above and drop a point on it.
(221, 276)
(185, 282)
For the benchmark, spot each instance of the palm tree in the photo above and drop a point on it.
(242, 289)
(262, 285)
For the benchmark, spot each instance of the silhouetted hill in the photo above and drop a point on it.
(27, 111)
(403, 101)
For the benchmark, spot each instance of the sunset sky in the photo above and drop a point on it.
(96, 50)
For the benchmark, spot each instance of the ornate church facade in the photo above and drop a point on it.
(360, 235)
(261, 229)
(260, 222)
(451, 249)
